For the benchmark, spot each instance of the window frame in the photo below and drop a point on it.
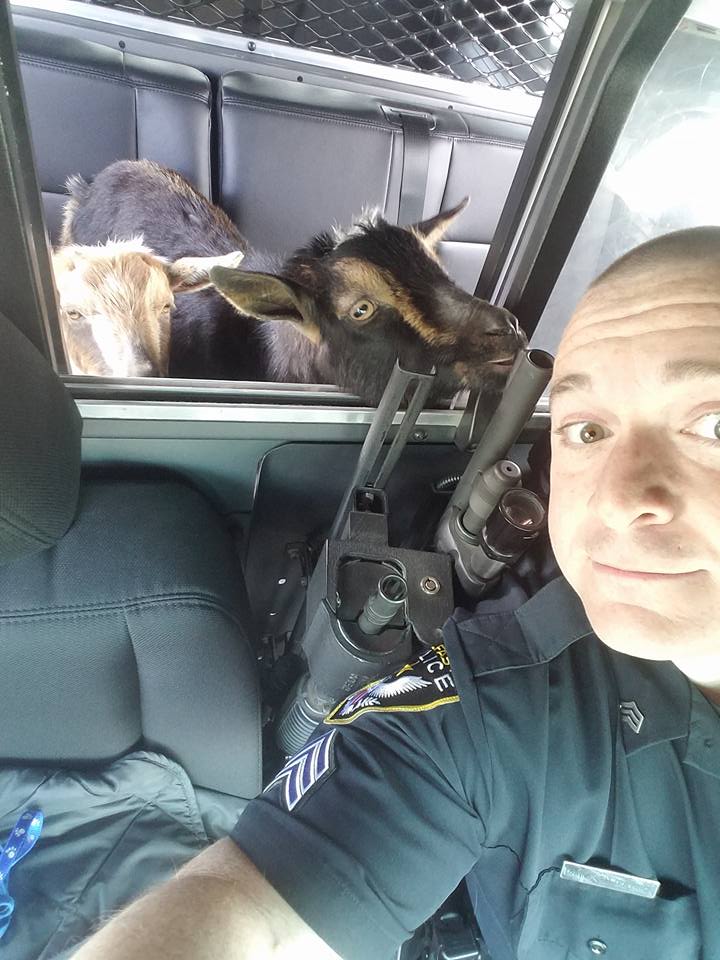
(609, 49)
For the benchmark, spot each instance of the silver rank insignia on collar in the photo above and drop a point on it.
(631, 715)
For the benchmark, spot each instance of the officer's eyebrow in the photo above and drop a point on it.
(675, 371)
(571, 381)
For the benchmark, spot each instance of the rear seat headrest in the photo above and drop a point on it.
(40, 431)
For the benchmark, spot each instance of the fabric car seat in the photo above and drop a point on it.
(128, 681)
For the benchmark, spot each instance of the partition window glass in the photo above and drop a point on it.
(288, 147)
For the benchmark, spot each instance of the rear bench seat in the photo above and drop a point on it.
(89, 104)
(294, 157)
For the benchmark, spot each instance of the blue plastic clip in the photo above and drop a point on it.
(22, 839)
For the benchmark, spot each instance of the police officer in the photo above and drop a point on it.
(565, 756)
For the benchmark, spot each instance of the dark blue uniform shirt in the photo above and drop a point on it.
(520, 743)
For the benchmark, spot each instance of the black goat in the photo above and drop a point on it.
(342, 309)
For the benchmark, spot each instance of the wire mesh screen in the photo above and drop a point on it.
(504, 44)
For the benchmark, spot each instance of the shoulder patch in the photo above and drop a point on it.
(423, 684)
(303, 772)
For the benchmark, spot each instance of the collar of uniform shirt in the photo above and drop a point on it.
(703, 749)
(535, 632)
(672, 707)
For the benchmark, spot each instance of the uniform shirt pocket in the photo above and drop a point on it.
(566, 920)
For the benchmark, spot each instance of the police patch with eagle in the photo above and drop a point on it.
(423, 684)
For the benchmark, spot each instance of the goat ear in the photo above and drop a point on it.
(193, 273)
(63, 259)
(434, 229)
(267, 297)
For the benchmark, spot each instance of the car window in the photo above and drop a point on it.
(288, 157)
(662, 175)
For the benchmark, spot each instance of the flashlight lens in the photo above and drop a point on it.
(513, 524)
(522, 510)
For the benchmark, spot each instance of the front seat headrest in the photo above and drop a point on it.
(40, 431)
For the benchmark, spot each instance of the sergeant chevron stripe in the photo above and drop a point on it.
(305, 770)
(631, 715)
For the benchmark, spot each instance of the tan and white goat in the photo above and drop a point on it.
(115, 301)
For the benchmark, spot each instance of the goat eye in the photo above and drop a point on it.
(167, 307)
(362, 310)
(73, 314)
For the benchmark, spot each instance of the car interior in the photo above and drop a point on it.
(194, 571)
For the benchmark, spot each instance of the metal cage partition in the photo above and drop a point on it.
(506, 45)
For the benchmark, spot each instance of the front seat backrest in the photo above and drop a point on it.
(39, 450)
(131, 629)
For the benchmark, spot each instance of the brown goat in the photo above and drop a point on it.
(115, 301)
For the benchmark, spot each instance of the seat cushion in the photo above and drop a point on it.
(108, 836)
(133, 629)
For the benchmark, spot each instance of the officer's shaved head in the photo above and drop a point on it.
(657, 274)
(698, 245)
(635, 402)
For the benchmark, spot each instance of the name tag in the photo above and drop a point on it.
(610, 879)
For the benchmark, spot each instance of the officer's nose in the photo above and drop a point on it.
(634, 487)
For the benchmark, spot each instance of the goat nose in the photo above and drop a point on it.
(511, 320)
(500, 322)
(512, 326)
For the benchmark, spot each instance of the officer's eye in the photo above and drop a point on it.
(707, 427)
(362, 310)
(585, 432)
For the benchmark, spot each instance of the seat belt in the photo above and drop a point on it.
(416, 165)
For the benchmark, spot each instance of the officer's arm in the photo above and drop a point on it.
(219, 905)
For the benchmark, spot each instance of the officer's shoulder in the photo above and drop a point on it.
(498, 637)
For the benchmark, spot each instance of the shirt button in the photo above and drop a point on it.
(597, 947)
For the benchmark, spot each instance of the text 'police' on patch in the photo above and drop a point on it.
(423, 684)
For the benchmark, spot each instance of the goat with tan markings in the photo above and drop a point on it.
(352, 302)
(340, 310)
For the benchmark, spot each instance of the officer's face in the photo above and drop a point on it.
(635, 505)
